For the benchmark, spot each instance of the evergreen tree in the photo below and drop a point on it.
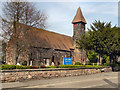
(103, 39)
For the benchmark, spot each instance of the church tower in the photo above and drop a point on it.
(78, 30)
(78, 26)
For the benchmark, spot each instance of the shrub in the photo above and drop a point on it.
(18, 67)
(92, 56)
(28, 67)
(92, 66)
(89, 64)
(22, 67)
(106, 64)
(0, 68)
(78, 63)
(50, 67)
(70, 66)
(114, 64)
(33, 67)
(56, 66)
(42, 66)
(8, 67)
(77, 66)
(95, 63)
(118, 62)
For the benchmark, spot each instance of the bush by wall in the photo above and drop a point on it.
(94, 63)
(106, 64)
(77, 66)
(50, 67)
(78, 63)
(42, 66)
(22, 67)
(70, 66)
(9, 67)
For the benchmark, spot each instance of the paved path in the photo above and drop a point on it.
(100, 80)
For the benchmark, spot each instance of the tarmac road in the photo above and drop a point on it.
(100, 80)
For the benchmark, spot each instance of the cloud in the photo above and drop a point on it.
(61, 14)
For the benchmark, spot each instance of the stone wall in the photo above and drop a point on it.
(33, 74)
(78, 32)
(48, 54)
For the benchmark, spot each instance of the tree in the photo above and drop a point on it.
(103, 39)
(20, 12)
(16, 13)
(92, 56)
(106, 59)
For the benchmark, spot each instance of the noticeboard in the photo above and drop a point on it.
(67, 61)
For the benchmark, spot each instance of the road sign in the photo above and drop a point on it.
(67, 61)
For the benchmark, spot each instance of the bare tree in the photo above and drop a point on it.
(15, 13)
(21, 12)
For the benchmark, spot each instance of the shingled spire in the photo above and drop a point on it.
(79, 17)
(78, 31)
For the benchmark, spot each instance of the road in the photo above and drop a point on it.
(100, 80)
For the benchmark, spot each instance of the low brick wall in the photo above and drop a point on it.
(32, 74)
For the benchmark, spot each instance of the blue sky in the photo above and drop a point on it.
(61, 14)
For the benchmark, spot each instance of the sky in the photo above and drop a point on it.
(61, 14)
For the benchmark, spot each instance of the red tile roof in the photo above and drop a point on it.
(46, 39)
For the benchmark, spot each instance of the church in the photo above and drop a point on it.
(46, 47)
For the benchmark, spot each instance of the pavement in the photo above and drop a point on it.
(100, 80)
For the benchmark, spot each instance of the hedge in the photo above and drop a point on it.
(22, 67)
(76, 66)
(50, 67)
(70, 66)
(8, 67)
(78, 63)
